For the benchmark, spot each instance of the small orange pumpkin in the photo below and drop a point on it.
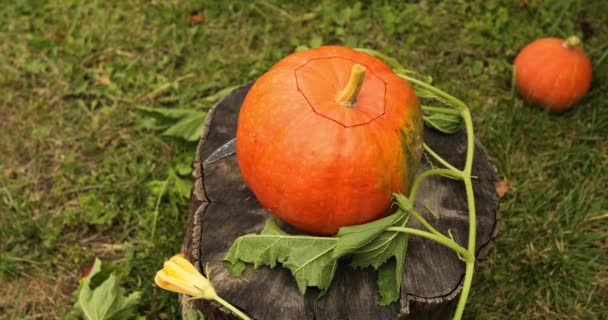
(553, 73)
(326, 136)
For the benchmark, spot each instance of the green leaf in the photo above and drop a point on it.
(107, 300)
(183, 169)
(446, 123)
(371, 246)
(354, 237)
(271, 228)
(308, 258)
(390, 290)
(171, 113)
(422, 93)
(316, 41)
(313, 260)
(387, 278)
(235, 268)
(180, 123)
(188, 128)
(220, 94)
(182, 187)
(380, 249)
(193, 314)
(94, 211)
(378, 252)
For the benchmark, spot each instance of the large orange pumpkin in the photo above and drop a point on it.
(553, 73)
(326, 136)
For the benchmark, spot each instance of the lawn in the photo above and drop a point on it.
(85, 173)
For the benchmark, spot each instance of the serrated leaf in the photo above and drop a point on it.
(107, 300)
(183, 169)
(95, 212)
(181, 187)
(386, 282)
(313, 260)
(123, 307)
(391, 293)
(308, 258)
(188, 128)
(220, 94)
(235, 268)
(446, 123)
(376, 252)
(379, 252)
(180, 123)
(354, 237)
(271, 228)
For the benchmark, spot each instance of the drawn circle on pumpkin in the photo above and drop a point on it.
(320, 80)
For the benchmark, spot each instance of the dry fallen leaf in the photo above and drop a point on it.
(523, 5)
(59, 37)
(502, 188)
(85, 271)
(105, 80)
(195, 17)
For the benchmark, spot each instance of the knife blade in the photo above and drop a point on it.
(224, 151)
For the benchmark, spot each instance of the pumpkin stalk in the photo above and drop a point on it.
(572, 42)
(348, 95)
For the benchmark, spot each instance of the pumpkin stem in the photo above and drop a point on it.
(572, 42)
(348, 95)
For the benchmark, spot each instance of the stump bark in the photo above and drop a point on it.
(222, 208)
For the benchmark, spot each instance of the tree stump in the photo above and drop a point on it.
(222, 208)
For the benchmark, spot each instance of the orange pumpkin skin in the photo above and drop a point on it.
(552, 75)
(316, 163)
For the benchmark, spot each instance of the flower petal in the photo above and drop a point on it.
(179, 275)
(195, 278)
(168, 282)
(181, 261)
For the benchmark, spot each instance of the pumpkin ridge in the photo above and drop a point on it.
(553, 87)
(572, 69)
(334, 82)
(335, 68)
(339, 194)
(374, 141)
(338, 122)
(263, 153)
(379, 137)
(573, 82)
(532, 91)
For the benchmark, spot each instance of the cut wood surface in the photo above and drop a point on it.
(222, 208)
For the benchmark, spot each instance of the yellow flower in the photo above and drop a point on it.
(179, 275)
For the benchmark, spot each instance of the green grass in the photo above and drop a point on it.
(80, 173)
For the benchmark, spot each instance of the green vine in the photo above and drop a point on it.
(454, 107)
(468, 254)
